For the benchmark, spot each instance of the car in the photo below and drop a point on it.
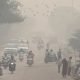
(10, 51)
(50, 58)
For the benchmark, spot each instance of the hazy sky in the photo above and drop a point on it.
(36, 23)
(40, 5)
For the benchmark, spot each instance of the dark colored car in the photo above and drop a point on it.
(50, 58)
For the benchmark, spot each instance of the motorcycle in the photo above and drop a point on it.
(12, 67)
(1, 71)
(5, 64)
(30, 62)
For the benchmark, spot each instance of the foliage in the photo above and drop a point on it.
(74, 41)
(9, 11)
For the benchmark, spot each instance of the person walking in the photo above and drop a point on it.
(59, 54)
(59, 60)
(59, 63)
(64, 67)
(69, 65)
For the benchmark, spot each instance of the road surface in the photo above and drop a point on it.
(39, 71)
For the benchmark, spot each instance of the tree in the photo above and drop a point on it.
(66, 20)
(74, 41)
(9, 11)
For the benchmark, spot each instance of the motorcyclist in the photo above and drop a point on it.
(30, 55)
(5, 61)
(12, 64)
(12, 67)
(30, 58)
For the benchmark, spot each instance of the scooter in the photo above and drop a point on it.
(30, 61)
(12, 67)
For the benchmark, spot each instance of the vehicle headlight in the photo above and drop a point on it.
(12, 63)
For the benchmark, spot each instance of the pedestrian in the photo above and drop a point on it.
(69, 65)
(59, 60)
(64, 67)
(59, 54)
(59, 63)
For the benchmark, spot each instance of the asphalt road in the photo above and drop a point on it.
(39, 71)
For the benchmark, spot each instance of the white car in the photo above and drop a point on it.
(10, 51)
